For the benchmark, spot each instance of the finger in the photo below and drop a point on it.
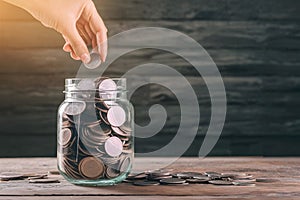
(91, 35)
(102, 45)
(67, 47)
(74, 56)
(77, 43)
(85, 35)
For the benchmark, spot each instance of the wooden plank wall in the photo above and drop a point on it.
(255, 44)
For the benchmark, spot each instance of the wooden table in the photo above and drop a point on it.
(285, 170)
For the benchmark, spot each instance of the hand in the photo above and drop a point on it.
(77, 20)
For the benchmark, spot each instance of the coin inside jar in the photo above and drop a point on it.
(91, 168)
(75, 108)
(113, 146)
(66, 135)
(116, 116)
(107, 84)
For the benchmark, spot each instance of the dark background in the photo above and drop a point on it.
(255, 44)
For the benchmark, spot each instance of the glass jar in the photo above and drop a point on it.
(95, 132)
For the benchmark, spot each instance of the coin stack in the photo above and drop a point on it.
(95, 138)
(166, 177)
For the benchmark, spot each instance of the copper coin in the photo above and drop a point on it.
(65, 136)
(91, 168)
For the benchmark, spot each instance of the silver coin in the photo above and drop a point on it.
(107, 89)
(243, 183)
(125, 164)
(75, 108)
(186, 175)
(113, 146)
(220, 182)
(86, 84)
(44, 181)
(137, 176)
(42, 176)
(157, 178)
(212, 173)
(266, 180)
(5, 176)
(54, 172)
(116, 116)
(94, 62)
(159, 172)
(111, 172)
(107, 85)
(172, 181)
(198, 180)
(145, 183)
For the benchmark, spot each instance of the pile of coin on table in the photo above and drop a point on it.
(43, 178)
(167, 177)
(95, 139)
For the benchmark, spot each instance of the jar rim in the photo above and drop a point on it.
(72, 85)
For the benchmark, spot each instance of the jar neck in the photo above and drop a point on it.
(96, 95)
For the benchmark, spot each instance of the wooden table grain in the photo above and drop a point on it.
(286, 171)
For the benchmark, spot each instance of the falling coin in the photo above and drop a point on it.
(75, 108)
(113, 146)
(116, 116)
(94, 62)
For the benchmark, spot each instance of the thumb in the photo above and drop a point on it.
(77, 43)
